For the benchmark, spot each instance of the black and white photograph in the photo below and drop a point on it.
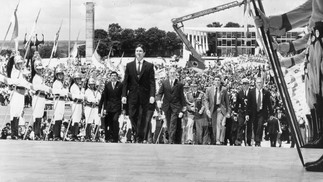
(161, 90)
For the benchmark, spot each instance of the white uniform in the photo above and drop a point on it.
(38, 102)
(77, 96)
(17, 101)
(59, 99)
(91, 112)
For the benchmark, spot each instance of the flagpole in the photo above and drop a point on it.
(32, 31)
(5, 37)
(55, 44)
(69, 30)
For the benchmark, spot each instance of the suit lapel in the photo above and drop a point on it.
(134, 69)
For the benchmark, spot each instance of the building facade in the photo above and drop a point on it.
(230, 41)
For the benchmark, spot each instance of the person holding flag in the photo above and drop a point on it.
(17, 99)
(60, 95)
(309, 13)
(77, 94)
(38, 102)
(92, 98)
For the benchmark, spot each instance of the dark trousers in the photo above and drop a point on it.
(229, 133)
(273, 139)
(88, 131)
(171, 119)
(37, 126)
(202, 131)
(75, 130)
(137, 115)
(258, 127)
(241, 128)
(111, 122)
(14, 127)
(146, 126)
(57, 128)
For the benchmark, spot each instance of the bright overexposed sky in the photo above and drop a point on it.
(128, 13)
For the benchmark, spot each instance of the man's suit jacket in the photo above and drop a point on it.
(143, 86)
(267, 109)
(209, 99)
(195, 100)
(173, 96)
(111, 98)
(242, 101)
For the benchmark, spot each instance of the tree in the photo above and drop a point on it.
(232, 24)
(155, 41)
(127, 42)
(214, 24)
(102, 36)
(173, 43)
(140, 36)
(114, 31)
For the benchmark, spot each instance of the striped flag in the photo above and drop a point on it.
(15, 29)
(56, 41)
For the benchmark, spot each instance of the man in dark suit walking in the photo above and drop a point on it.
(174, 104)
(111, 102)
(240, 108)
(139, 90)
(259, 108)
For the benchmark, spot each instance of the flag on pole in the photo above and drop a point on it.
(56, 41)
(195, 64)
(74, 50)
(33, 30)
(96, 58)
(15, 29)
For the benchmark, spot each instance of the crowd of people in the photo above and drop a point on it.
(179, 108)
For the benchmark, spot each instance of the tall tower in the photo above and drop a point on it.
(89, 30)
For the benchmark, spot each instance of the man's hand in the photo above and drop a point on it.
(151, 100)
(124, 100)
(247, 117)
(271, 117)
(159, 104)
(180, 115)
(262, 21)
(208, 113)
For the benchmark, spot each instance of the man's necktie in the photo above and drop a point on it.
(113, 85)
(138, 69)
(215, 98)
(258, 101)
(171, 84)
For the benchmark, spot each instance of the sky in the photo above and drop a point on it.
(127, 13)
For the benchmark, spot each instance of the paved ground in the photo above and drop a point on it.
(70, 161)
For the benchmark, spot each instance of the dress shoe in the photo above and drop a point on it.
(313, 162)
(316, 166)
(315, 144)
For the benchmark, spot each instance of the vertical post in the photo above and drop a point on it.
(89, 30)
(69, 29)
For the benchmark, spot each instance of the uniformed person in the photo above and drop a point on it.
(60, 95)
(17, 101)
(92, 98)
(77, 94)
(38, 102)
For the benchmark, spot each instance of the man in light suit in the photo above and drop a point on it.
(259, 107)
(139, 90)
(174, 102)
(217, 109)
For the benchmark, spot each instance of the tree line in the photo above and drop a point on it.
(123, 41)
